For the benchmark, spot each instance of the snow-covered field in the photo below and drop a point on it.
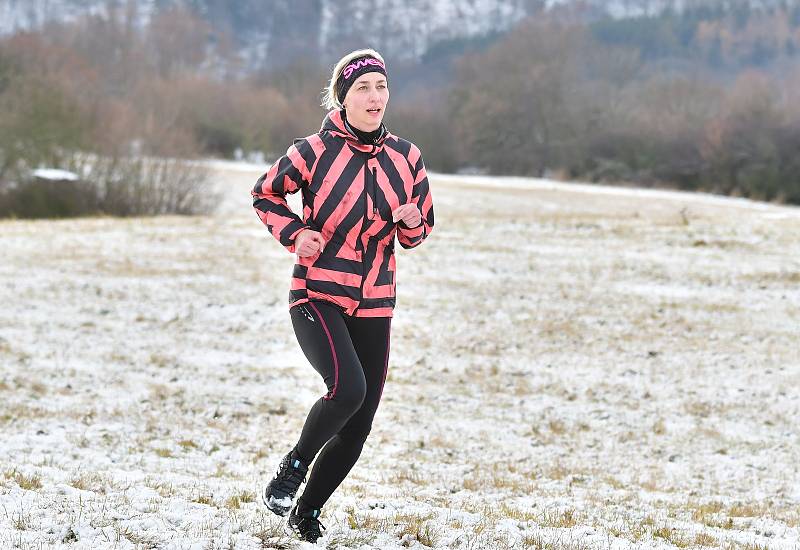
(571, 367)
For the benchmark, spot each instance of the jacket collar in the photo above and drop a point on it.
(334, 123)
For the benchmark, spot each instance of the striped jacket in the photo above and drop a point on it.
(349, 191)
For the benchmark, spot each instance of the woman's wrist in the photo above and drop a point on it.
(406, 226)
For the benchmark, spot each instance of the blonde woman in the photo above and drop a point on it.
(362, 188)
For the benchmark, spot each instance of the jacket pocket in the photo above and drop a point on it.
(326, 202)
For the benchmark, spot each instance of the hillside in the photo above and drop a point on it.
(572, 367)
(314, 29)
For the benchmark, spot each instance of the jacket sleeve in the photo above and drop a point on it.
(289, 173)
(409, 237)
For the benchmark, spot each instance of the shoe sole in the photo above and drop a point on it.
(292, 532)
(275, 507)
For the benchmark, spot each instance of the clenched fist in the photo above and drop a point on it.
(308, 242)
(409, 214)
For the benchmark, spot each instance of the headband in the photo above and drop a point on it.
(354, 69)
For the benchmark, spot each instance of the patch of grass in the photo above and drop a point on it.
(159, 393)
(519, 515)
(160, 361)
(456, 524)
(557, 427)
(438, 441)
(204, 499)
(187, 444)
(164, 453)
(792, 277)
(704, 539)
(94, 482)
(366, 521)
(418, 527)
(537, 542)
(269, 531)
(348, 539)
(221, 471)
(673, 536)
(701, 510)
(22, 521)
(611, 481)
(261, 453)
(558, 471)
(632, 532)
(746, 510)
(163, 488)
(513, 483)
(27, 482)
(713, 514)
(235, 502)
(699, 408)
(522, 387)
(654, 483)
(141, 540)
(503, 477)
(562, 518)
(409, 476)
(472, 484)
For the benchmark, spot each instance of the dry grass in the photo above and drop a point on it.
(204, 499)
(188, 444)
(366, 521)
(672, 536)
(704, 539)
(30, 482)
(408, 476)
(558, 518)
(418, 528)
(92, 481)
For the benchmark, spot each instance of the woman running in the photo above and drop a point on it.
(361, 186)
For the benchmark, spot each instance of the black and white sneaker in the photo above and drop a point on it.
(305, 525)
(279, 493)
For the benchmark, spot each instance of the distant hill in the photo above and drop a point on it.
(290, 29)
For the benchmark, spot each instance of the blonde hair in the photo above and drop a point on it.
(330, 93)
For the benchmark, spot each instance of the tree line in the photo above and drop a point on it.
(703, 99)
(706, 98)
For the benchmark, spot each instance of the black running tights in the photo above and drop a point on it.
(351, 354)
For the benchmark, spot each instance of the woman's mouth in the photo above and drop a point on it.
(374, 112)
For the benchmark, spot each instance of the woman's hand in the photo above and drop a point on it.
(409, 214)
(308, 242)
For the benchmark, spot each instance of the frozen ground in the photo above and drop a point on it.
(571, 368)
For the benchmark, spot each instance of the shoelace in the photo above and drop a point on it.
(310, 526)
(293, 477)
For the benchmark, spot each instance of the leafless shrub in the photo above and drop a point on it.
(148, 187)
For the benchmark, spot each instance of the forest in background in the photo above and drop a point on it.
(703, 98)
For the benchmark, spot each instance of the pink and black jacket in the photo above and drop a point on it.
(349, 192)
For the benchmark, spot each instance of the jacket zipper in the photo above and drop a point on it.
(374, 191)
(360, 240)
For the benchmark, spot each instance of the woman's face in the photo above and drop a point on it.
(366, 101)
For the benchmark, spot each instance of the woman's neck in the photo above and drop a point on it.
(367, 137)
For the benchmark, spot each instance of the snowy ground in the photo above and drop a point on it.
(572, 367)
